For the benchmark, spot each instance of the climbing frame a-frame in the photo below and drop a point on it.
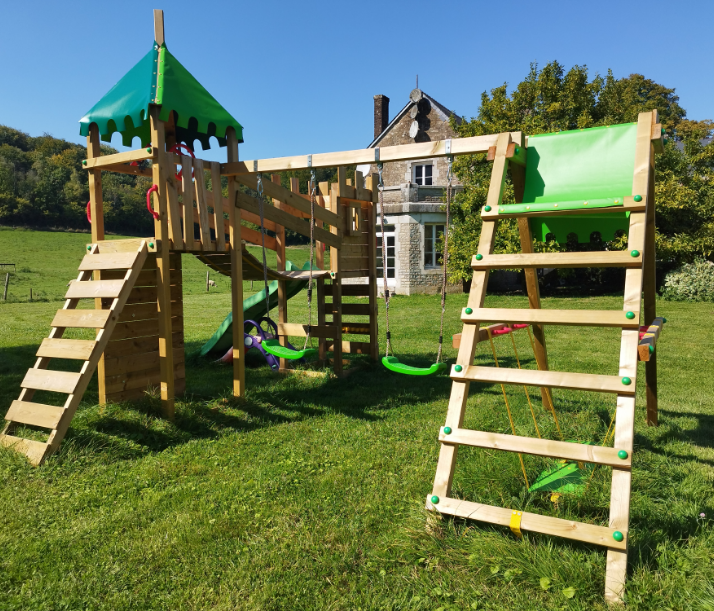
(588, 194)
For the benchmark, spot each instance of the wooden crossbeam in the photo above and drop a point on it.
(629, 205)
(120, 158)
(583, 318)
(617, 258)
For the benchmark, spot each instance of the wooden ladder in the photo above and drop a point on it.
(638, 261)
(57, 418)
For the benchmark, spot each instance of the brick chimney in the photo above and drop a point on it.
(381, 114)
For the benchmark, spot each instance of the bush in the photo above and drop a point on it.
(691, 282)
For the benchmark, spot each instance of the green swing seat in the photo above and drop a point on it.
(273, 347)
(392, 363)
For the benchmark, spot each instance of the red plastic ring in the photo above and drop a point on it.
(152, 188)
(176, 148)
(89, 212)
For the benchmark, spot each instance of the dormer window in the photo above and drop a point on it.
(422, 175)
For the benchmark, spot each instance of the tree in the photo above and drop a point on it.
(551, 100)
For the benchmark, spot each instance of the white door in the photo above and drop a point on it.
(390, 237)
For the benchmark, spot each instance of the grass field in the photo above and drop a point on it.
(309, 494)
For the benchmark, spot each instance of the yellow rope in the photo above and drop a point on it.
(528, 397)
(549, 403)
(508, 407)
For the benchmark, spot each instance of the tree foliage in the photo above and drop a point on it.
(549, 100)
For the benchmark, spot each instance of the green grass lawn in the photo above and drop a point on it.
(310, 493)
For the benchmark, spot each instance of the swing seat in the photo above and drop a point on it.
(273, 347)
(392, 363)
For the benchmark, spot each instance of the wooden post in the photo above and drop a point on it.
(208, 273)
(323, 190)
(163, 272)
(7, 282)
(234, 217)
(336, 206)
(159, 26)
(280, 254)
(372, 183)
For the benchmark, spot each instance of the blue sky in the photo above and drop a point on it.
(300, 76)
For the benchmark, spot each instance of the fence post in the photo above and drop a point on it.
(7, 281)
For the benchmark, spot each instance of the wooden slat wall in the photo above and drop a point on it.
(132, 354)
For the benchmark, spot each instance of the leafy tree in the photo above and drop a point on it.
(551, 99)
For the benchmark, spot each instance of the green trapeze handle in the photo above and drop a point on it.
(393, 364)
(273, 347)
(581, 204)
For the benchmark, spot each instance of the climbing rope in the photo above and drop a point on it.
(525, 388)
(549, 403)
(313, 195)
(508, 407)
(384, 261)
(445, 258)
(262, 238)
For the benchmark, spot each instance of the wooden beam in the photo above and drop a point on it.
(402, 152)
(582, 318)
(246, 202)
(614, 258)
(502, 212)
(538, 447)
(119, 158)
(159, 26)
(296, 330)
(646, 346)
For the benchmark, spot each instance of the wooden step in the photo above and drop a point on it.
(81, 319)
(538, 447)
(117, 260)
(35, 414)
(586, 318)
(356, 328)
(617, 258)
(78, 349)
(94, 288)
(34, 450)
(578, 531)
(350, 290)
(555, 379)
(55, 381)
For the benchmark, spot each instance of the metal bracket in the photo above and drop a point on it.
(376, 154)
(309, 161)
(447, 146)
(515, 524)
(255, 165)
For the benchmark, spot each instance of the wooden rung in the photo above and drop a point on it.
(79, 349)
(579, 531)
(350, 309)
(352, 347)
(555, 379)
(55, 381)
(587, 318)
(34, 450)
(350, 290)
(35, 414)
(118, 260)
(81, 319)
(94, 288)
(538, 447)
(618, 258)
(356, 328)
(301, 330)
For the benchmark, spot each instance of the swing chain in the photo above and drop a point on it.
(380, 168)
(262, 237)
(313, 196)
(445, 257)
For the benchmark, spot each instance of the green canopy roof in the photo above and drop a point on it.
(160, 79)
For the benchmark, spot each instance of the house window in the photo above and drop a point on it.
(432, 256)
(422, 175)
(390, 237)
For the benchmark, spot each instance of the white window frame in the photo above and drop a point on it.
(418, 173)
(430, 233)
(391, 233)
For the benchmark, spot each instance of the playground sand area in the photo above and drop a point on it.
(309, 494)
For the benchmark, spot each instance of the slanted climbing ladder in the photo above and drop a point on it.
(613, 167)
(57, 418)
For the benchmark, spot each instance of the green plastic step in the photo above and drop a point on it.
(273, 347)
(392, 363)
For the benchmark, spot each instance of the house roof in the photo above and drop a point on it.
(440, 108)
(160, 79)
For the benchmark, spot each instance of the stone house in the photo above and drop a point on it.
(414, 194)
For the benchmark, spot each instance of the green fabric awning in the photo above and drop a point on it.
(160, 79)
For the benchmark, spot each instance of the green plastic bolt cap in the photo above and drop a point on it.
(458, 368)
(634, 253)
(89, 248)
(469, 311)
(622, 454)
(151, 244)
(434, 499)
(517, 150)
(626, 381)
(630, 315)
(664, 320)
(637, 198)
(651, 349)
(487, 208)
(479, 257)
(664, 131)
(618, 536)
(84, 162)
(447, 430)
(148, 149)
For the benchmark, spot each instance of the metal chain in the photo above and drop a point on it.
(313, 196)
(384, 260)
(262, 237)
(445, 257)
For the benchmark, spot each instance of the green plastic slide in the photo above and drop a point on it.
(253, 307)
